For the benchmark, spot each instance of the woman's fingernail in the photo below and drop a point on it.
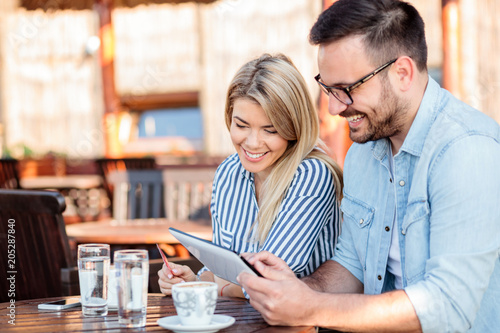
(170, 276)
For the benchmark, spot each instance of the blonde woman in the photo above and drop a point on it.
(281, 191)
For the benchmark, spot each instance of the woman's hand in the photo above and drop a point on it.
(181, 273)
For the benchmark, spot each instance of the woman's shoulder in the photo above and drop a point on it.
(312, 165)
(231, 164)
(231, 160)
(312, 172)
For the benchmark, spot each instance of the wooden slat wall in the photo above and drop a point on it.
(199, 48)
(481, 47)
(430, 10)
(51, 96)
(489, 56)
(157, 49)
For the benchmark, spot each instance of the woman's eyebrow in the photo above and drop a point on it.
(245, 122)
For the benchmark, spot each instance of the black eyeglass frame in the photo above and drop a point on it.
(329, 90)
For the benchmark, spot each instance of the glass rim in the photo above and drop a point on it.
(93, 245)
(128, 254)
(132, 251)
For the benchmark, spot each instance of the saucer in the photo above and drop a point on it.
(174, 323)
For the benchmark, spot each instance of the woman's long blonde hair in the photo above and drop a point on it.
(277, 86)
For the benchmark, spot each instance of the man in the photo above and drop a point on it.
(420, 243)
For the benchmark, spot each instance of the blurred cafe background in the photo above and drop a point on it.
(117, 108)
(92, 86)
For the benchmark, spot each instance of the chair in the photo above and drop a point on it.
(107, 165)
(34, 246)
(188, 192)
(9, 174)
(137, 194)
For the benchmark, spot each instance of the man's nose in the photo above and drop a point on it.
(335, 107)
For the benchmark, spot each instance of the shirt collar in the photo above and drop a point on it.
(246, 174)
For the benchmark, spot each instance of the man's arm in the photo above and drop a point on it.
(332, 277)
(282, 299)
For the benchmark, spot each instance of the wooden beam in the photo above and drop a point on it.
(88, 4)
(112, 106)
(452, 72)
(107, 53)
(157, 101)
(334, 131)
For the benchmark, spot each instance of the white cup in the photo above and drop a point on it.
(195, 302)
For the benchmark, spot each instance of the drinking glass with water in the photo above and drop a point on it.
(132, 274)
(93, 272)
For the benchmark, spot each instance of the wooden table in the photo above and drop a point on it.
(29, 319)
(139, 231)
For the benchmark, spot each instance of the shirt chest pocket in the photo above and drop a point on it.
(358, 217)
(415, 230)
(226, 238)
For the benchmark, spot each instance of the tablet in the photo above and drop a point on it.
(223, 262)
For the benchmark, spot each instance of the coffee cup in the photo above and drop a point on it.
(195, 302)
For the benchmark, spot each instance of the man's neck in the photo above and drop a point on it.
(415, 100)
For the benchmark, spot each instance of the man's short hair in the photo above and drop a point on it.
(390, 29)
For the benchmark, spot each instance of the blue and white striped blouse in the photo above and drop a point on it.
(305, 231)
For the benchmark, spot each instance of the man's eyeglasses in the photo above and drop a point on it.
(343, 95)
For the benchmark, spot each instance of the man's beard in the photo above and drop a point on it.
(387, 119)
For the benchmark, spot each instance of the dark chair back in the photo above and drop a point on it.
(34, 245)
(107, 165)
(9, 174)
(137, 194)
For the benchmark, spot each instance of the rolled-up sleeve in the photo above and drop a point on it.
(464, 235)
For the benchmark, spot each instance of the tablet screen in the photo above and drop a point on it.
(223, 262)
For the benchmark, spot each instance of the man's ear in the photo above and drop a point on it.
(405, 69)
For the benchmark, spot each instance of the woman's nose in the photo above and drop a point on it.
(253, 139)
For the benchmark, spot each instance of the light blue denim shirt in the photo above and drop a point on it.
(446, 189)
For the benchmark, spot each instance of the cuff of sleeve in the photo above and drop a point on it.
(356, 271)
(428, 306)
(201, 271)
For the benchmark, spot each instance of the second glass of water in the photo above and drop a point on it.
(132, 274)
(93, 271)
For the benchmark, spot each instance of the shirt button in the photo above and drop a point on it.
(361, 221)
(403, 232)
(390, 179)
(387, 228)
(401, 183)
(379, 277)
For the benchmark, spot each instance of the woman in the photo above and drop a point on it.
(280, 192)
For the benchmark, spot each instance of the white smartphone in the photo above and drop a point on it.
(60, 304)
